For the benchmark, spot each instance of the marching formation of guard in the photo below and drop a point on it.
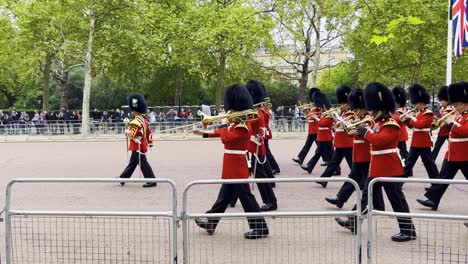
(368, 130)
(371, 126)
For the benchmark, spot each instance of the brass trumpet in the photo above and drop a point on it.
(331, 111)
(405, 114)
(350, 127)
(438, 122)
(235, 117)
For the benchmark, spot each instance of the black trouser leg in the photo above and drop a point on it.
(146, 168)
(359, 173)
(249, 204)
(271, 158)
(400, 205)
(429, 163)
(410, 161)
(132, 164)
(447, 172)
(324, 150)
(336, 160)
(308, 144)
(265, 189)
(403, 150)
(437, 146)
(225, 195)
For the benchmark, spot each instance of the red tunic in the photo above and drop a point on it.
(325, 125)
(258, 131)
(421, 129)
(444, 131)
(403, 137)
(313, 124)
(385, 160)
(342, 139)
(269, 135)
(140, 131)
(361, 148)
(458, 139)
(235, 140)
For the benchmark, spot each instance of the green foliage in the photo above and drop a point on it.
(399, 42)
(330, 79)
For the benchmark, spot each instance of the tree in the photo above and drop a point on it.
(308, 28)
(401, 42)
(226, 35)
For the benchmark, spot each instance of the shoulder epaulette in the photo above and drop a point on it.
(391, 122)
(428, 111)
(242, 125)
(136, 122)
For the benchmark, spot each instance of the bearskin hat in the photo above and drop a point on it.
(237, 98)
(356, 99)
(137, 103)
(311, 93)
(458, 92)
(257, 91)
(321, 100)
(418, 94)
(442, 95)
(378, 97)
(342, 94)
(400, 95)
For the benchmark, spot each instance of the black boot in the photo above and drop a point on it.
(323, 184)
(347, 223)
(150, 184)
(402, 237)
(428, 203)
(297, 160)
(306, 168)
(269, 207)
(209, 227)
(335, 201)
(256, 234)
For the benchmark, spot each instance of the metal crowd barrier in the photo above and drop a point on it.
(44, 237)
(441, 238)
(294, 237)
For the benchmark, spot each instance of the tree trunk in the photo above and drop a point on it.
(220, 81)
(88, 77)
(303, 90)
(64, 89)
(46, 81)
(318, 49)
(179, 87)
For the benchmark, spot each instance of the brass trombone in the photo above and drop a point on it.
(235, 117)
(438, 122)
(331, 111)
(350, 127)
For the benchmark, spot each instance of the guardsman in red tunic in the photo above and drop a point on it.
(421, 124)
(235, 136)
(313, 129)
(141, 139)
(260, 167)
(456, 158)
(400, 99)
(385, 159)
(269, 135)
(324, 135)
(445, 108)
(343, 142)
(361, 151)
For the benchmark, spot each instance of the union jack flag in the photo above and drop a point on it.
(460, 26)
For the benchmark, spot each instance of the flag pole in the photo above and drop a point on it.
(448, 79)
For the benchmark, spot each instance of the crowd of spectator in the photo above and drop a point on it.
(284, 119)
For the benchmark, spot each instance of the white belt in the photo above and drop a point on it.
(339, 130)
(384, 151)
(356, 141)
(458, 139)
(323, 128)
(421, 129)
(240, 152)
